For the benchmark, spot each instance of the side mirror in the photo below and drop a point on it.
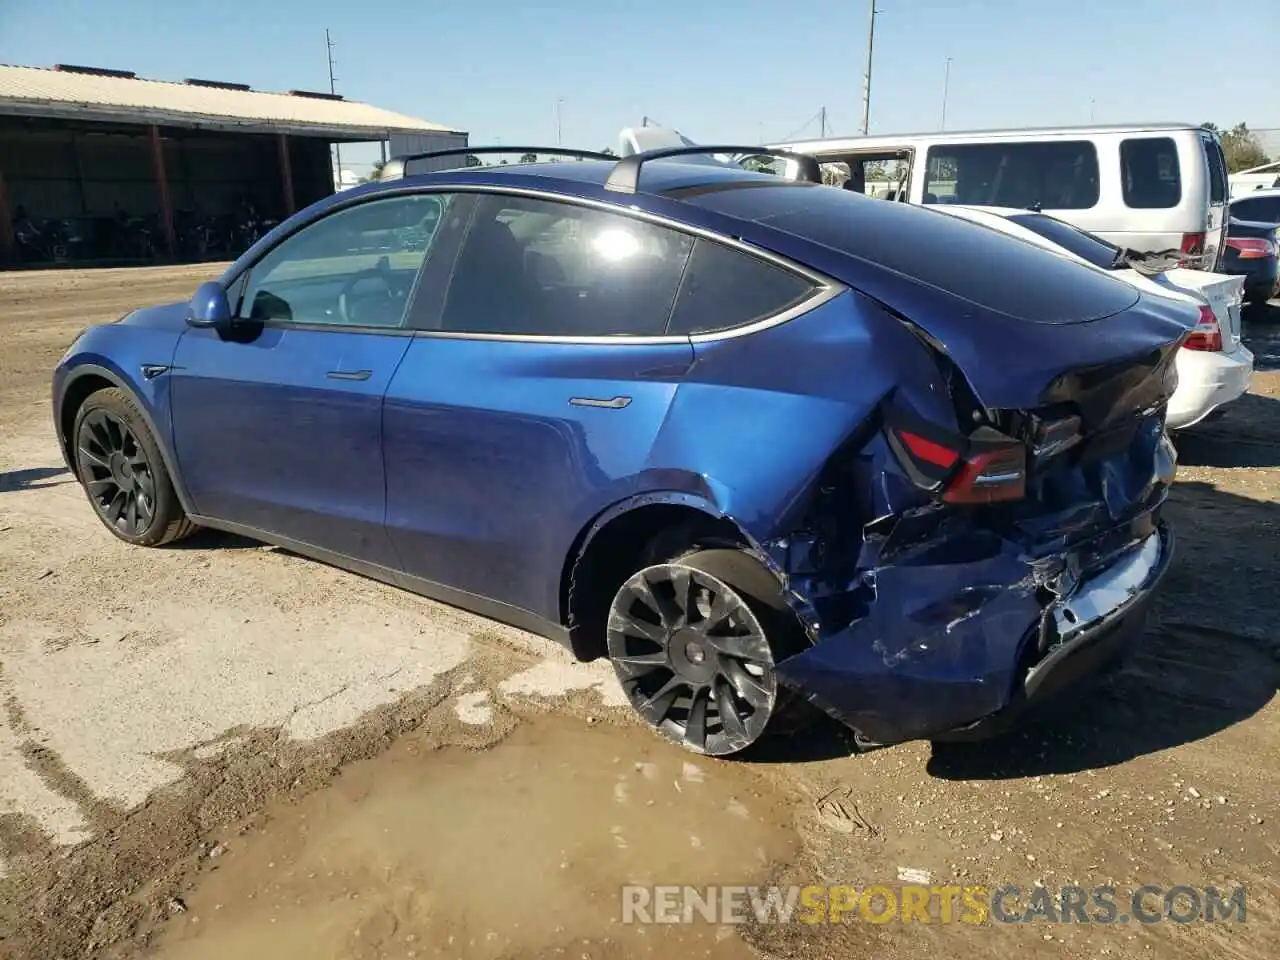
(209, 307)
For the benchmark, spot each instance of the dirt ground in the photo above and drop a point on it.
(223, 750)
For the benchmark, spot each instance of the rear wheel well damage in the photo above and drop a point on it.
(613, 548)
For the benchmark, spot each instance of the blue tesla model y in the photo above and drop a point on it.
(764, 444)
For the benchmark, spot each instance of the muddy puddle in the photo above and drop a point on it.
(518, 851)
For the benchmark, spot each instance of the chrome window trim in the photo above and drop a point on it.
(825, 288)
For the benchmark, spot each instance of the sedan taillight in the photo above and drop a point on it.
(1206, 334)
(1252, 248)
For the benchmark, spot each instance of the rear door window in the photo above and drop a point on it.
(531, 267)
(725, 288)
(1149, 173)
(1217, 170)
(1053, 175)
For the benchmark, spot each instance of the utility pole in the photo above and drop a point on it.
(1092, 103)
(559, 104)
(866, 85)
(946, 87)
(822, 121)
(337, 149)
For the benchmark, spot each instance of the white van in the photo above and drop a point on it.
(1143, 186)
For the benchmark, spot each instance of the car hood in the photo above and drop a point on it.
(165, 316)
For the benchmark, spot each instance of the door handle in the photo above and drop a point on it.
(349, 374)
(617, 403)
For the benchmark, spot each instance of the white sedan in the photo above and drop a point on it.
(1214, 367)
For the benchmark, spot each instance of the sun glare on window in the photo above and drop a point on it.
(615, 244)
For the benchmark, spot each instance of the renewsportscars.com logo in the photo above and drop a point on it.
(920, 903)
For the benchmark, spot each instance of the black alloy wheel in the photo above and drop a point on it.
(116, 473)
(693, 658)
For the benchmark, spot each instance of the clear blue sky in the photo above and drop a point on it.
(716, 70)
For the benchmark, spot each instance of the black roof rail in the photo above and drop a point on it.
(625, 177)
(403, 160)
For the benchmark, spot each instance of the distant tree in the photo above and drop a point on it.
(474, 161)
(608, 152)
(529, 158)
(760, 164)
(833, 175)
(1241, 145)
(503, 161)
(375, 172)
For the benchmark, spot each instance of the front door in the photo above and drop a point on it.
(278, 428)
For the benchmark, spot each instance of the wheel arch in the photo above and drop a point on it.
(87, 379)
(611, 545)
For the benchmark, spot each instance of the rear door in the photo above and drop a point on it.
(1219, 194)
(531, 396)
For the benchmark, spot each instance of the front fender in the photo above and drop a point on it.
(152, 397)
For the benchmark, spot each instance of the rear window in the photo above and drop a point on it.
(724, 288)
(1084, 245)
(1149, 174)
(1259, 209)
(978, 264)
(1053, 175)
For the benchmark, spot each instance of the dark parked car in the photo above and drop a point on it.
(1251, 252)
(756, 441)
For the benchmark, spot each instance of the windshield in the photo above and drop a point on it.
(1084, 245)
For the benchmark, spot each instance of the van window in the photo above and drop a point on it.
(1055, 175)
(1217, 170)
(1149, 174)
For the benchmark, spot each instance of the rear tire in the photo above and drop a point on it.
(119, 464)
(694, 642)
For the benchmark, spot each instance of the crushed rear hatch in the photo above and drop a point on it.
(943, 550)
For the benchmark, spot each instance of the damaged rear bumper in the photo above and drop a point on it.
(1097, 626)
(967, 663)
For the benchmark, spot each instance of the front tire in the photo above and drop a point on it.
(695, 650)
(118, 463)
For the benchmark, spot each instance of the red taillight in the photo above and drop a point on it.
(1192, 243)
(1252, 248)
(1206, 335)
(1192, 248)
(987, 467)
(932, 453)
(991, 476)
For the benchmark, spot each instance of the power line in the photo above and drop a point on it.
(821, 114)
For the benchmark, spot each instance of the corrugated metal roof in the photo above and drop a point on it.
(40, 92)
